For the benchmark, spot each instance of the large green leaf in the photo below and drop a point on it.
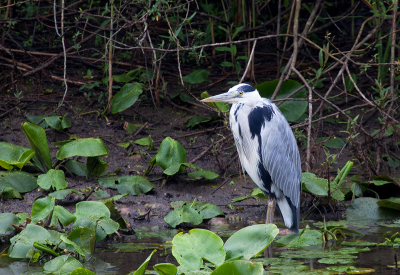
(7, 219)
(85, 238)
(38, 140)
(171, 152)
(20, 181)
(250, 241)
(62, 215)
(308, 238)
(53, 178)
(210, 175)
(58, 122)
(368, 209)
(134, 185)
(393, 203)
(319, 186)
(23, 242)
(197, 76)
(190, 249)
(64, 264)
(76, 167)
(95, 215)
(184, 214)
(292, 110)
(239, 268)
(126, 97)
(205, 209)
(42, 208)
(14, 155)
(85, 147)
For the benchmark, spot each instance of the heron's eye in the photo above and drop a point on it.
(240, 93)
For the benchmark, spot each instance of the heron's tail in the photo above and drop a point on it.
(290, 214)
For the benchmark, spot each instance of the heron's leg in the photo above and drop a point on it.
(270, 211)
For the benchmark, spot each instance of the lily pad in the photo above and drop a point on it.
(368, 209)
(250, 241)
(309, 237)
(239, 268)
(190, 249)
(23, 242)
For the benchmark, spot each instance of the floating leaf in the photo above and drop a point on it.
(23, 242)
(250, 241)
(309, 237)
(190, 249)
(64, 264)
(368, 209)
(82, 271)
(239, 268)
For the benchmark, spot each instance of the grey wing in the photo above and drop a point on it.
(280, 155)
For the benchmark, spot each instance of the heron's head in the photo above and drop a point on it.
(241, 93)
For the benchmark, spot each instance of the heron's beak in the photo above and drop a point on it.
(225, 97)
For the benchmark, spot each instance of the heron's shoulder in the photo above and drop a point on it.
(264, 102)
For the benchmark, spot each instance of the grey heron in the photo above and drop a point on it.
(267, 149)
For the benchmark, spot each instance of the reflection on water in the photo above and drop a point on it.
(122, 258)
